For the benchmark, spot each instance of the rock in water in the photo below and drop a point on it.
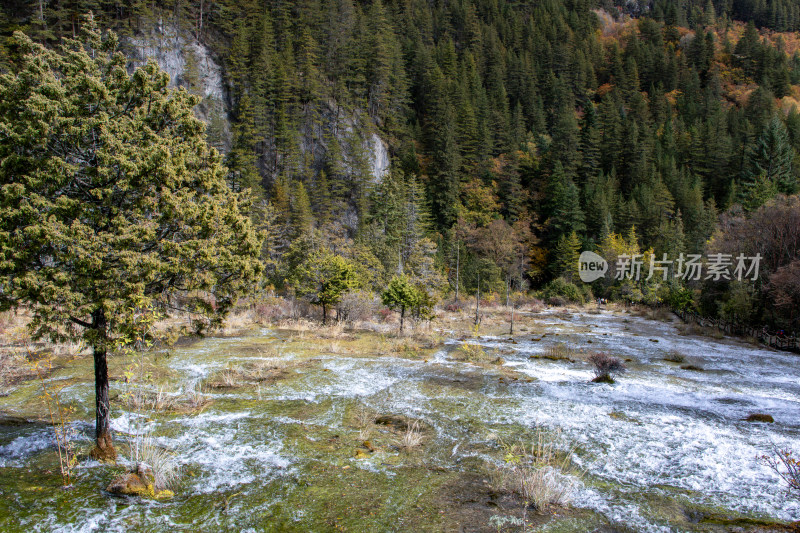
(760, 417)
(361, 454)
(129, 484)
(396, 422)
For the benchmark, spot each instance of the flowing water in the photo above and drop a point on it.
(662, 449)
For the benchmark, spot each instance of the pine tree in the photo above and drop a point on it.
(302, 219)
(770, 162)
(563, 204)
(126, 221)
(324, 277)
(567, 252)
(589, 145)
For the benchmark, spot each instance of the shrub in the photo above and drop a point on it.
(605, 366)
(357, 306)
(675, 356)
(561, 288)
(470, 351)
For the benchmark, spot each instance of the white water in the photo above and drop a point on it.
(674, 431)
(681, 428)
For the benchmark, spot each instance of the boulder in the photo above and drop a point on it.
(129, 484)
(760, 417)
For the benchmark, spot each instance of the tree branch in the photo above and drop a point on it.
(81, 322)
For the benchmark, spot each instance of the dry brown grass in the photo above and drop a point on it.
(194, 400)
(697, 329)
(674, 356)
(156, 400)
(559, 352)
(661, 314)
(252, 372)
(237, 323)
(411, 438)
(471, 352)
(19, 352)
(538, 473)
(263, 369)
(227, 378)
(363, 419)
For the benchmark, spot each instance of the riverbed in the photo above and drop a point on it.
(664, 448)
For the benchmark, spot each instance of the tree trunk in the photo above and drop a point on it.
(324, 313)
(402, 317)
(104, 448)
(478, 302)
(458, 264)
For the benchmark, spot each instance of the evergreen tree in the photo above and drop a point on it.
(324, 277)
(101, 220)
(563, 201)
(770, 163)
(567, 252)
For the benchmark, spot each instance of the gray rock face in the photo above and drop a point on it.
(378, 157)
(171, 51)
(177, 52)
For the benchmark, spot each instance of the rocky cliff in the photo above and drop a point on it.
(195, 66)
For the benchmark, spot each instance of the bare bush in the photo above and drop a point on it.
(455, 306)
(273, 310)
(357, 306)
(605, 366)
(783, 463)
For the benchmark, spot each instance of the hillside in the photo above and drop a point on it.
(408, 132)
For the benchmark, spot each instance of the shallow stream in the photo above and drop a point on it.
(662, 449)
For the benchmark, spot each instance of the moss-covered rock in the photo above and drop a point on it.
(129, 484)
